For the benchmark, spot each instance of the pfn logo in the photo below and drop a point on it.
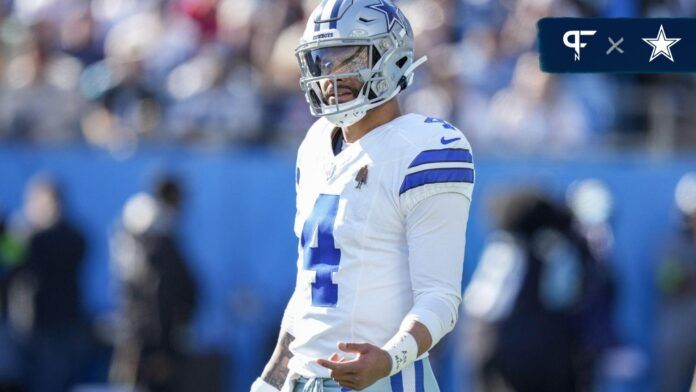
(576, 44)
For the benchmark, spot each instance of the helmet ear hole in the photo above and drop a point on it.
(403, 83)
(371, 94)
(401, 62)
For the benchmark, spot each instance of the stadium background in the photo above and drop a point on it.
(106, 95)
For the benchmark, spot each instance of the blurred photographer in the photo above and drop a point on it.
(44, 298)
(525, 300)
(158, 291)
(676, 283)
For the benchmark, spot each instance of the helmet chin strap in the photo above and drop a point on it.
(348, 119)
(408, 76)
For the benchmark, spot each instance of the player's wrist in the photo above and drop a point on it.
(385, 363)
(262, 386)
(402, 350)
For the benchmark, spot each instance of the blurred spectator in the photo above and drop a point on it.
(203, 13)
(45, 108)
(676, 282)
(78, 36)
(592, 205)
(524, 301)
(290, 117)
(127, 106)
(534, 113)
(158, 291)
(216, 99)
(11, 253)
(44, 300)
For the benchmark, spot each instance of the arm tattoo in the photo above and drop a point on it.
(276, 370)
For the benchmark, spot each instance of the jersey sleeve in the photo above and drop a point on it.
(435, 183)
(436, 237)
(434, 168)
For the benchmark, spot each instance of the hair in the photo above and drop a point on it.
(526, 212)
(168, 189)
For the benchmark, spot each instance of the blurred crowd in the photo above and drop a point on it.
(121, 73)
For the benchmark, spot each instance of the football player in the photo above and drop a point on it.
(382, 208)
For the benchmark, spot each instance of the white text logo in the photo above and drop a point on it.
(576, 44)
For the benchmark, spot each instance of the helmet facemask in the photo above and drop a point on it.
(332, 68)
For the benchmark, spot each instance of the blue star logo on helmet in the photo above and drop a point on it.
(390, 12)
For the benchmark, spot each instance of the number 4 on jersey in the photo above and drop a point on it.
(322, 257)
(445, 124)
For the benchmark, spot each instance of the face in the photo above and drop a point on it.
(42, 206)
(345, 90)
(339, 64)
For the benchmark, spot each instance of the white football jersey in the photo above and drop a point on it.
(353, 282)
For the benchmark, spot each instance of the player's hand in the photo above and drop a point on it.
(371, 364)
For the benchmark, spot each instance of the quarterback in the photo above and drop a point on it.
(382, 207)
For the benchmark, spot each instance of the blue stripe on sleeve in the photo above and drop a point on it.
(397, 384)
(434, 176)
(444, 155)
(419, 376)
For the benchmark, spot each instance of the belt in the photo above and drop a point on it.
(316, 384)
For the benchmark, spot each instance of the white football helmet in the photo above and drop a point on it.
(366, 40)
